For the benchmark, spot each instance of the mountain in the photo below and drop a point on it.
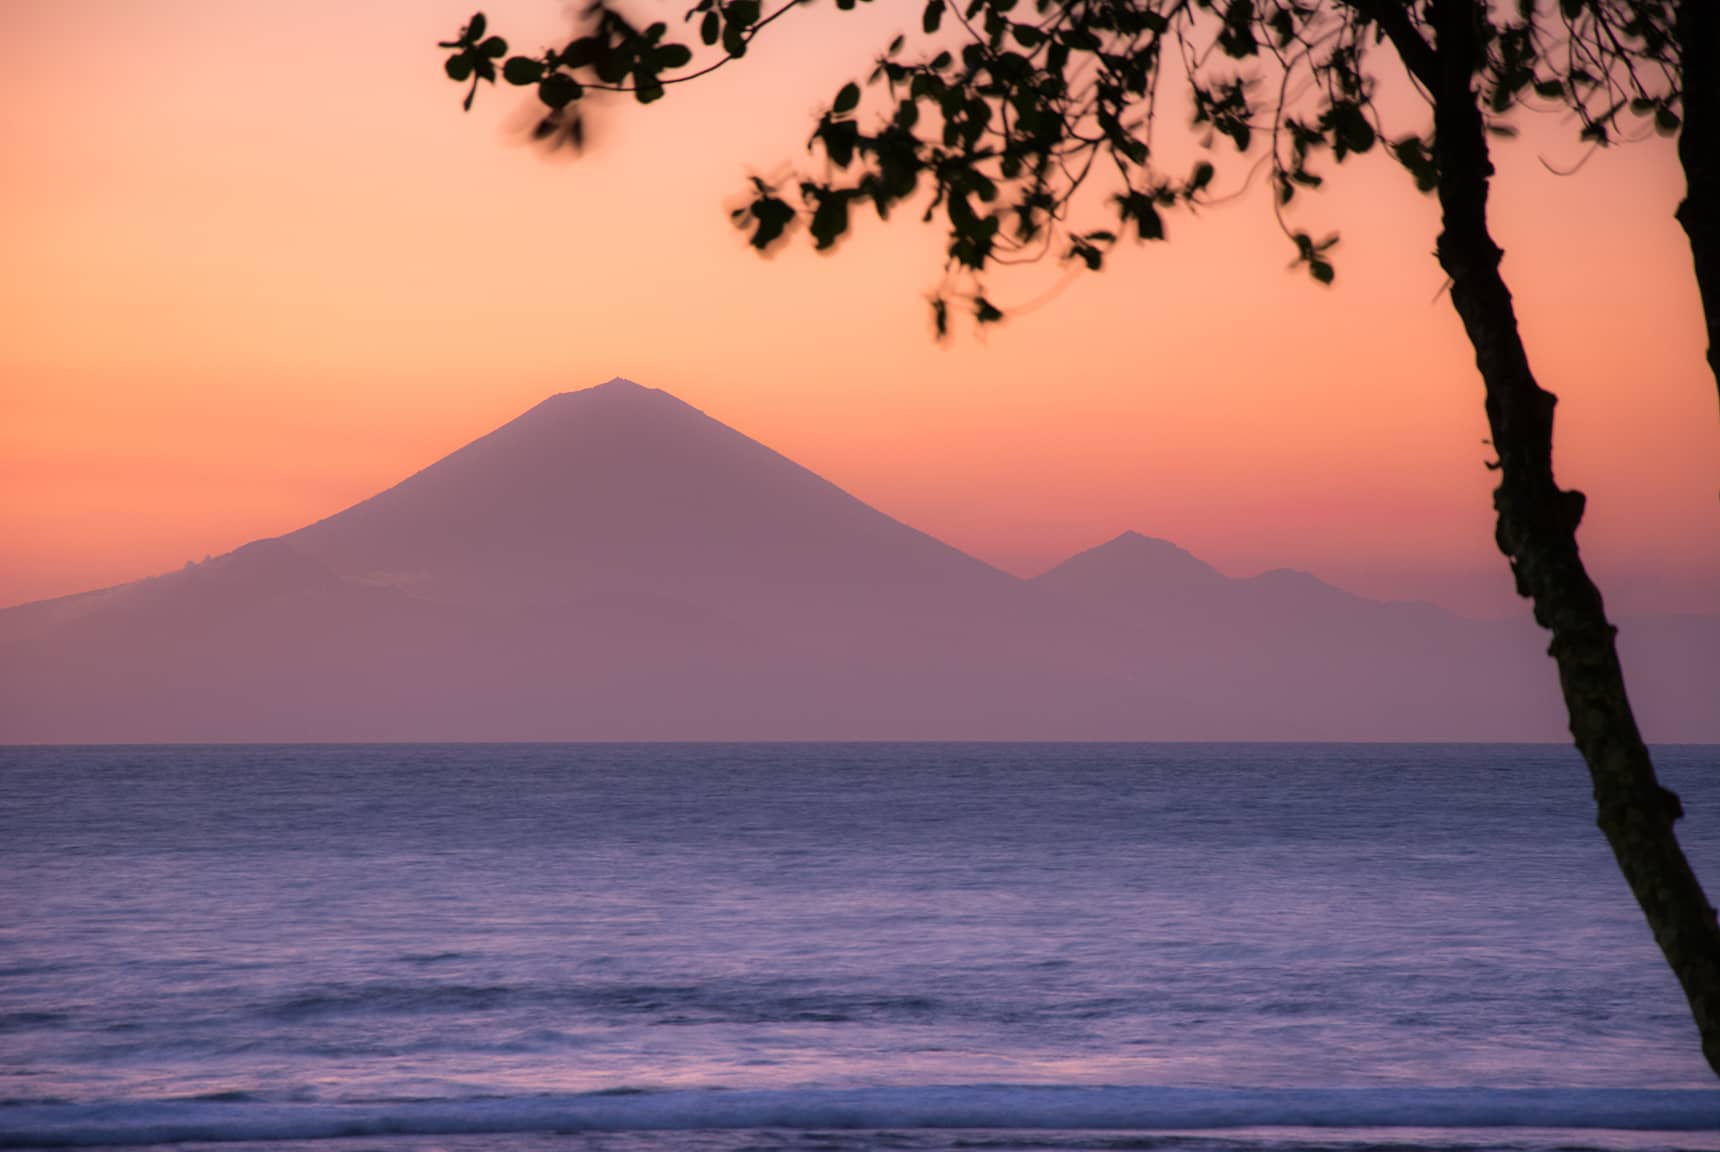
(619, 488)
(1126, 566)
(1286, 655)
(614, 564)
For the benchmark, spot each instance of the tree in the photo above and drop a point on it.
(1696, 40)
(1009, 117)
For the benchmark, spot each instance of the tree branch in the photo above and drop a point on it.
(1412, 48)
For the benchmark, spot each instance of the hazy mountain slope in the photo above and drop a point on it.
(611, 564)
(263, 644)
(1288, 653)
(1672, 669)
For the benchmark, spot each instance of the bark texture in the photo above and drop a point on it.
(1697, 31)
(1537, 524)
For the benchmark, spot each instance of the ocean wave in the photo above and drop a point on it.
(30, 1021)
(744, 1003)
(118, 1123)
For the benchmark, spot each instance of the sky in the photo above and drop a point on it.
(260, 266)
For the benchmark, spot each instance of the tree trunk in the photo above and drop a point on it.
(1697, 32)
(1536, 530)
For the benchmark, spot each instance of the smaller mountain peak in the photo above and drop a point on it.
(1136, 559)
(1139, 545)
(1133, 539)
(620, 384)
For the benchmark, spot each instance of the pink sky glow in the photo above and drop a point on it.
(260, 267)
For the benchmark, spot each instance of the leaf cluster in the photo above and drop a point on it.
(1025, 128)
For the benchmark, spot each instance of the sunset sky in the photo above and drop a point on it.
(260, 266)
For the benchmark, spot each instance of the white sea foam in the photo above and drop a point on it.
(968, 1107)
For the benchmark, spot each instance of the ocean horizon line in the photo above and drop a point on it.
(833, 742)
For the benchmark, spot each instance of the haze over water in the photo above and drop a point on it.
(295, 943)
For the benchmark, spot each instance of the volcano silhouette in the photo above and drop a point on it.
(614, 564)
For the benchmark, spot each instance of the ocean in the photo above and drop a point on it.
(561, 948)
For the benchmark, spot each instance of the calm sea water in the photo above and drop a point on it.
(835, 946)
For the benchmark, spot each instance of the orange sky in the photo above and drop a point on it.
(259, 266)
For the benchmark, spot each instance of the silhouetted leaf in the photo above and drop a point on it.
(558, 90)
(1412, 153)
(767, 214)
(1237, 37)
(742, 13)
(522, 70)
(829, 219)
(1087, 254)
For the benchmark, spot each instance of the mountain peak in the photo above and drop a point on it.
(617, 388)
(618, 399)
(1155, 553)
(1141, 543)
(1132, 559)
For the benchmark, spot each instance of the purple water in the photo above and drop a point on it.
(866, 946)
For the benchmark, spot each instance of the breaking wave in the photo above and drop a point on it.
(959, 1107)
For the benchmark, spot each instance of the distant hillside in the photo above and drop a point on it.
(614, 564)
